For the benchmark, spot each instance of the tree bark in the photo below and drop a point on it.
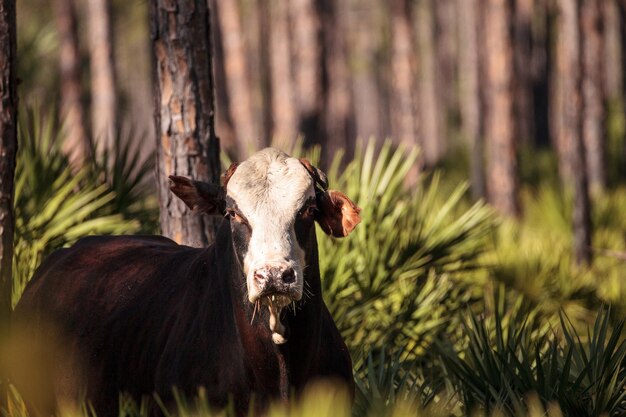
(338, 112)
(77, 145)
(238, 84)
(307, 67)
(184, 115)
(446, 26)
(570, 131)
(523, 82)
(284, 114)
(103, 81)
(363, 43)
(469, 97)
(593, 97)
(614, 65)
(8, 148)
(501, 153)
(404, 108)
(430, 117)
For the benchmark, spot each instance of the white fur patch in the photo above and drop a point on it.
(269, 189)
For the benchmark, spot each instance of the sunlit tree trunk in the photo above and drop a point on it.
(8, 148)
(238, 84)
(430, 117)
(446, 26)
(569, 67)
(469, 97)
(103, 85)
(184, 115)
(404, 109)
(362, 42)
(500, 143)
(593, 98)
(284, 113)
(77, 145)
(338, 99)
(307, 66)
(523, 81)
(264, 97)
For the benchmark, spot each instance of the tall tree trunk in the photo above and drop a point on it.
(501, 155)
(284, 114)
(338, 99)
(593, 98)
(613, 59)
(103, 83)
(307, 53)
(404, 108)
(8, 148)
(77, 145)
(570, 130)
(430, 117)
(362, 42)
(523, 82)
(469, 97)
(263, 61)
(184, 115)
(446, 26)
(237, 78)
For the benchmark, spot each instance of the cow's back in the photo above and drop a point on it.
(125, 309)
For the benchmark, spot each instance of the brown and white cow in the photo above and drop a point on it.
(243, 318)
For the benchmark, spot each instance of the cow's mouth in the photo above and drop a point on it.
(275, 302)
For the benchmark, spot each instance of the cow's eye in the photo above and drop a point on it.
(308, 212)
(232, 214)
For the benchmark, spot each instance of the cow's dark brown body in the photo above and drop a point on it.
(143, 314)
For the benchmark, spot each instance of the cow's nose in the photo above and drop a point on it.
(274, 276)
(288, 276)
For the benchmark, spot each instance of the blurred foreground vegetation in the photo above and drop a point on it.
(446, 308)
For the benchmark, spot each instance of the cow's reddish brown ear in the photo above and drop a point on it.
(200, 197)
(337, 215)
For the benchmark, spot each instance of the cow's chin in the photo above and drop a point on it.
(274, 302)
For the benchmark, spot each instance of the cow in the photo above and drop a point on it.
(243, 318)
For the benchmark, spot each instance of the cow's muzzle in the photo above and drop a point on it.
(275, 287)
(277, 282)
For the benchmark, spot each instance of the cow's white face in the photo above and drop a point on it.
(269, 193)
(272, 201)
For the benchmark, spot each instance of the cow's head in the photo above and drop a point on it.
(272, 201)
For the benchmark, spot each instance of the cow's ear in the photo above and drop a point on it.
(336, 214)
(200, 197)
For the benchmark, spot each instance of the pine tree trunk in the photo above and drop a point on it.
(523, 82)
(77, 145)
(430, 117)
(501, 154)
(8, 148)
(238, 84)
(284, 114)
(307, 66)
(614, 65)
(103, 82)
(570, 131)
(469, 97)
(446, 27)
(404, 108)
(184, 115)
(338, 106)
(593, 98)
(366, 97)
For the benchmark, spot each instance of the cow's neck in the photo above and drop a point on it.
(282, 367)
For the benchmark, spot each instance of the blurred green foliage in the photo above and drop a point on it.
(56, 204)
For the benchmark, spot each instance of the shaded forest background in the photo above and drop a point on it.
(486, 88)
